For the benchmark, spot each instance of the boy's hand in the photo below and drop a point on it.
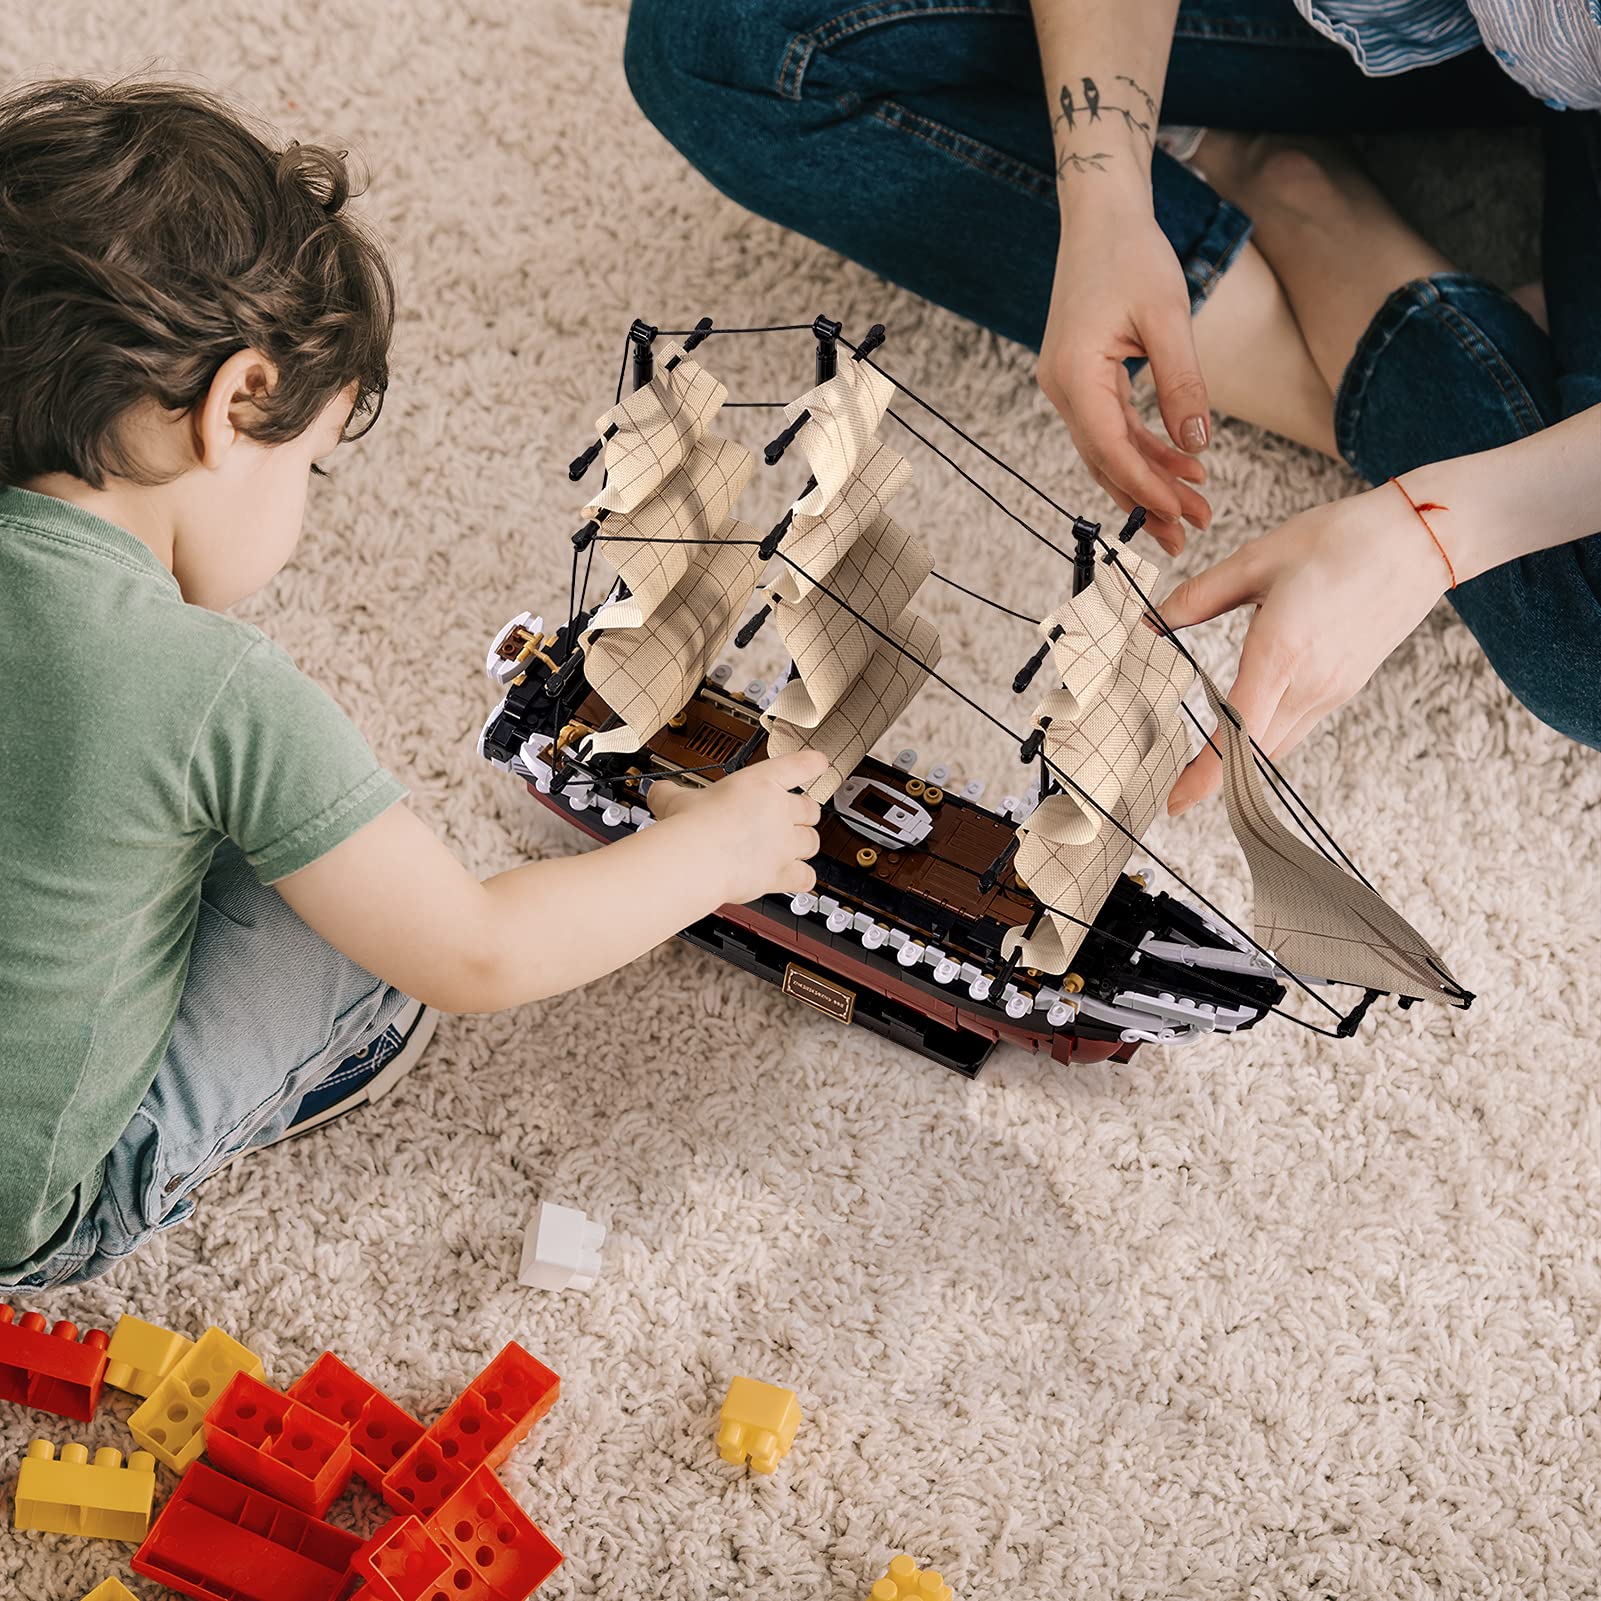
(757, 835)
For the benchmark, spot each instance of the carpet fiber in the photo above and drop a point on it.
(1271, 1317)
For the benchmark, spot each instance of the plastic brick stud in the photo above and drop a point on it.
(168, 1424)
(51, 1369)
(102, 1500)
(111, 1590)
(380, 1432)
(141, 1355)
(480, 1429)
(561, 1250)
(217, 1540)
(758, 1423)
(266, 1440)
(905, 1581)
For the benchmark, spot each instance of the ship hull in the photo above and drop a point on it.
(769, 941)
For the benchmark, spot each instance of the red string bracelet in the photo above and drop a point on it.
(1429, 505)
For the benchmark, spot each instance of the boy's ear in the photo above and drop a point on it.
(225, 410)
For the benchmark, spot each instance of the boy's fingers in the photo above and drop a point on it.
(666, 796)
(807, 812)
(797, 879)
(799, 767)
(807, 843)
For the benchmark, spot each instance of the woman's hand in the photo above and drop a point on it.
(1120, 292)
(1336, 589)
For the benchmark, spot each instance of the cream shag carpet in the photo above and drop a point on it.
(1275, 1317)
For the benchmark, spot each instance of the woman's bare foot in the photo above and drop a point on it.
(1334, 242)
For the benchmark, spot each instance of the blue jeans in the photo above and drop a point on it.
(913, 136)
(269, 1009)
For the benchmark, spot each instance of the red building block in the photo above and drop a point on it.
(380, 1432)
(483, 1424)
(402, 1562)
(52, 1369)
(266, 1440)
(218, 1540)
(479, 1546)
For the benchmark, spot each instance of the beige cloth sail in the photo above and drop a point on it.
(845, 413)
(646, 653)
(845, 556)
(648, 675)
(1112, 728)
(830, 634)
(651, 546)
(657, 427)
(887, 686)
(1313, 916)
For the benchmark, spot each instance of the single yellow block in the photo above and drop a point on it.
(169, 1422)
(758, 1422)
(111, 1590)
(141, 1355)
(905, 1581)
(102, 1500)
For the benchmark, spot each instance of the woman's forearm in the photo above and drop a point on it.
(1497, 505)
(1104, 63)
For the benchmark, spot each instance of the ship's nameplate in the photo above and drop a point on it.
(832, 999)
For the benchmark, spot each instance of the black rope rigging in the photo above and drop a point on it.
(1112, 555)
(1067, 781)
(1263, 761)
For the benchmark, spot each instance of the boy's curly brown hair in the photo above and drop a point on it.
(146, 235)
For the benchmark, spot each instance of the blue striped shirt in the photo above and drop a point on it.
(1551, 47)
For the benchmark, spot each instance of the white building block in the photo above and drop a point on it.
(561, 1249)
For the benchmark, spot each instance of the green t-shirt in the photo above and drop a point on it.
(136, 732)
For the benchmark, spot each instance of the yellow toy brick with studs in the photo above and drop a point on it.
(905, 1581)
(758, 1424)
(102, 1500)
(142, 1354)
(168, 1424)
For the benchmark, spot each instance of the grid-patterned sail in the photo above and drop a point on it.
(656, 428)
(1113, 729)
(687, 565)
(1316, 919)
(851, 574)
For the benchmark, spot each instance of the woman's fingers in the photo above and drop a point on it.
(1232, 582)
(1100, 430)
(1169, 339)
(1263, 682)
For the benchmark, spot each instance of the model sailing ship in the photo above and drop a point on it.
(937, 921)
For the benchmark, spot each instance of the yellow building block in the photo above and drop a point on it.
(101, 1499)
(758, 1422)
(111, 1590)
(168, 1424)
(141, 1355)
(905, 1581)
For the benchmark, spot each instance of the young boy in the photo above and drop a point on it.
(189, 320)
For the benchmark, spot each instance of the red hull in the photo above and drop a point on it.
(1059, 1044)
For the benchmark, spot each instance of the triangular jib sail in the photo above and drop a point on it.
(842, 606)
(668, 534)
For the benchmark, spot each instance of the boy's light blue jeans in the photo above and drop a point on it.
(914, 137)
(268, 1011)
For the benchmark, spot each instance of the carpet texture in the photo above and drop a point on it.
(1270, 1317)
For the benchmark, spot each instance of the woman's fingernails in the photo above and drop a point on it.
(1193, 433)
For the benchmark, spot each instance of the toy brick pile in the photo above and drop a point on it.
(247, 1525)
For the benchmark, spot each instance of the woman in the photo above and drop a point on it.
(1006, 163)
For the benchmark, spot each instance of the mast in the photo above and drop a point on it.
(686, 565)
(843, 604)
